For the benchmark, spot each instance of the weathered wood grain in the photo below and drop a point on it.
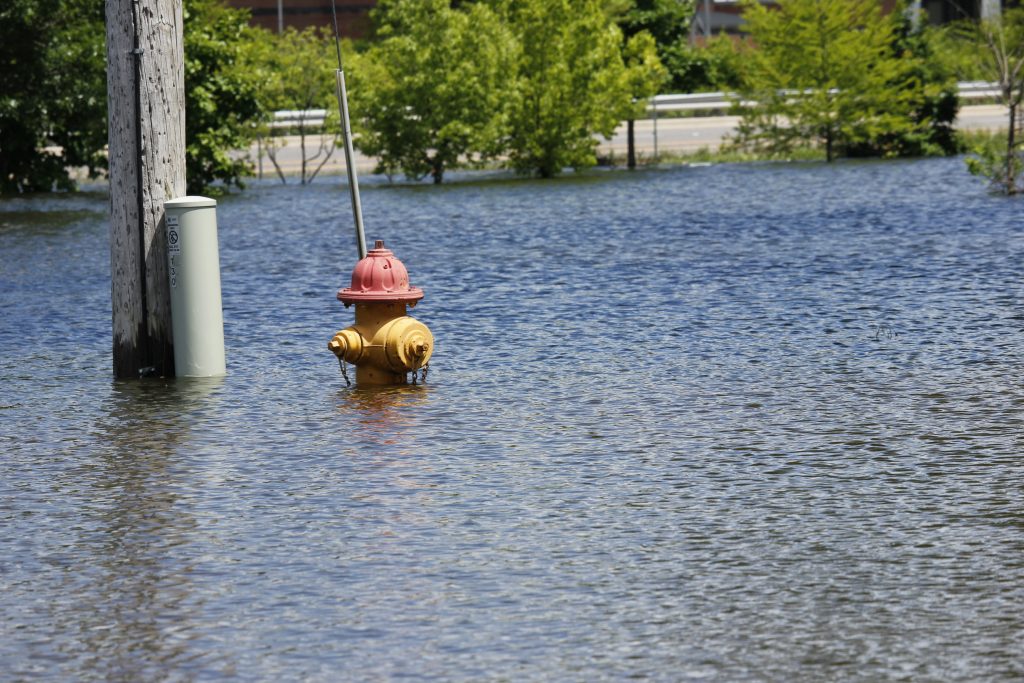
(147, 167)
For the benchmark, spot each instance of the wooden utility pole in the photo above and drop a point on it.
(146, 123)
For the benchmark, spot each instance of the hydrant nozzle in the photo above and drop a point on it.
(384, 344)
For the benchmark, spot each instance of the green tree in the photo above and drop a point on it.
(825, 72)
(52, 92)
(434, 91)
(295, 70)
(934, 101)
(668, 23)
(991, 158)
(221, 95)
(996, 52)
(714, 65)
(572, 84)
(645, 75)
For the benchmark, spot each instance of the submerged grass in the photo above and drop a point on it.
(978, 137)
(721, 155)
(968, 140)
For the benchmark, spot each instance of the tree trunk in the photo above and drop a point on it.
(302, 150)
(630, 145)
(1011, 153)
(146, 125)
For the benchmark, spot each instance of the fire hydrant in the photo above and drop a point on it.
(384, 344)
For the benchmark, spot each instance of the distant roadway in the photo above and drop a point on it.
(677, 135)
(684, 135)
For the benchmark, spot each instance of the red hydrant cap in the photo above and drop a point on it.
(379, 277)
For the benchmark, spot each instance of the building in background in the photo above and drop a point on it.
(945, 11)
(715, 16)
(711, 17)
(276, 15)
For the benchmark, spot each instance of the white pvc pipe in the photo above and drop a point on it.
(194, 272)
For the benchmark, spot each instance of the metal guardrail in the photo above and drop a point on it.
(691, 102)
(978, 90)
(291, 118)
(968, 90)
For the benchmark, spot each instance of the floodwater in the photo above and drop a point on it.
(731, 423)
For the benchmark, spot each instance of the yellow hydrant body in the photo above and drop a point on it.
(384, 344)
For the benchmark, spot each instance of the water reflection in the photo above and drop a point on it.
(136, 608)
(382, 413)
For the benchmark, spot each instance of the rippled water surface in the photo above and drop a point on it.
(735, 423)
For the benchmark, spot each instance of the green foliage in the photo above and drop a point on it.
(572, 84)
(690, 68)
(221, 94)
(724, 155)
(77, 99)
(960, 47)
(531, 80)
(668, 23)
(295, 70)
(826, 72)
(998, 46)
(645, 74)
(52, 92)
(713, 66)
(933, 104)
(992, 159)
(434, 91)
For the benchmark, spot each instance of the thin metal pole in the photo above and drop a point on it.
(654, 126)
(346, 130)
(350, 167)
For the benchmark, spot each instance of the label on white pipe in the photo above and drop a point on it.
(173, 237)
(173, 248)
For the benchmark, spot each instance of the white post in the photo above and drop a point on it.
(914, 12)
(194, 273)
(990, 9)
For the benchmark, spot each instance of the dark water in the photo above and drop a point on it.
(737, 423)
